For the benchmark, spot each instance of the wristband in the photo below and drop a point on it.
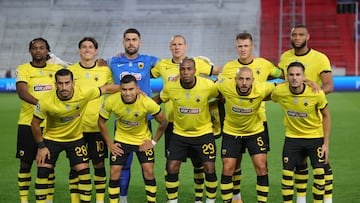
(41, 145)
(153, 142)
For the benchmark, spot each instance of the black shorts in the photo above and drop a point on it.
(233, 146)
(26, 146)
(144, 157)
(168, 134)
(297, 149)
(76, 151)
(96, 145)
(202, 147)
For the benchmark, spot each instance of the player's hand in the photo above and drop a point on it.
(314, 86)
(116, 149)
(119, 54)
(101, 62)
(42, 155)
(139, 91)
(146, 146)
(325, 153)
(174, 78)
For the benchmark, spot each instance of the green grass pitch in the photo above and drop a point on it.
(344, 151)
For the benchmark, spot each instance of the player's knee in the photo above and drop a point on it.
(148, 173)
(209, 167)
(228, 169)
(25, 165)
(98, 164)
(173, 167)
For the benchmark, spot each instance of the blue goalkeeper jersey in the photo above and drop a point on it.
(139, 68)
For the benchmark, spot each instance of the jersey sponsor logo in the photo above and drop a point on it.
(69, 118)
(42, 88)
(241, 110)
(185, 110)
(130, 123)
(136, 75)
(296, 114)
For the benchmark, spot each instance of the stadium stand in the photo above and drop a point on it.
(330, 32)
(210, 26)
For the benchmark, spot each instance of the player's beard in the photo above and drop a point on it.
(131, 52)
(298, 47)
(244, 93)
(64, 94)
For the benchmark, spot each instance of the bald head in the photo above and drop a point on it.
(244, 80)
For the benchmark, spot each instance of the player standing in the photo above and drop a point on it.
(88, 73)
(33, 80)
(317, 69)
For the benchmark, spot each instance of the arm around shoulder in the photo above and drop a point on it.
(109, 89)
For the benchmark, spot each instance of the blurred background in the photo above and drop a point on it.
(210, 27)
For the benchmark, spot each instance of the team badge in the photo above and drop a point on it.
(141, 65)
(136, 114)
(96, 78)
(306, 103)
(77, 107)
(286, 160)
(257, 71)
(223, 151)
(197, 99)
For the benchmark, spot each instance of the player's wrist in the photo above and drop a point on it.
(153, 142)
(41, 145)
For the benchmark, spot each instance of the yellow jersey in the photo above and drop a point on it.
(64, 117)
(302, 117)
(314, 61)
(131, 119)
(261, 68)
(39, 80)
(96, 76)
(191, 106)
(242, 112)
(169, 71)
